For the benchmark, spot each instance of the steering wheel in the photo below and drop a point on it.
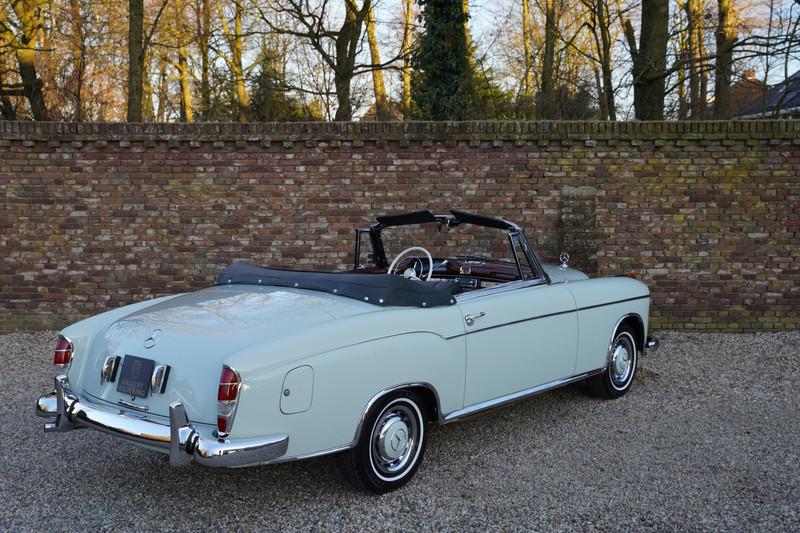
(394, 264)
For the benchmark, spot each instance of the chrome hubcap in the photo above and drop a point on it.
(395, 439)
(622, 360)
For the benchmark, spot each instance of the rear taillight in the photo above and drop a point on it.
(63, 354)
(227, 398)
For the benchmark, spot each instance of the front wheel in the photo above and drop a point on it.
(622, 360)
(390, 446)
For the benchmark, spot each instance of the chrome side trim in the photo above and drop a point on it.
(460, 334)
(615, 302)
(329, 451)
(508, 398)
(548, 315)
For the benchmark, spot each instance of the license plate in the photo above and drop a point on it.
(135, 376)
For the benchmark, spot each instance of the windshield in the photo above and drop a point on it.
(465, 241)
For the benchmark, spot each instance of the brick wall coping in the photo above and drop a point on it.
(399, 131)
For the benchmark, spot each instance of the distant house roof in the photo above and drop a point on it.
(781, 100)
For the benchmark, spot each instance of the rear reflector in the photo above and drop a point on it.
(227, 398)
(63, 353)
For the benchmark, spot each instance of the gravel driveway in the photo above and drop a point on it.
(707, 439)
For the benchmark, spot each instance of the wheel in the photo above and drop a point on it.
(391, 444)
(622, 360)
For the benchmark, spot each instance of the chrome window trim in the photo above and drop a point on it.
(519, 395)
(497, 289)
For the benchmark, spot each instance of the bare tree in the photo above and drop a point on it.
(378, 85)
(405, 52)
(545, 108)
(723, 69)
(138, 43)
(30, 15)
(235, 40)
(338, 48)
(599, 22)
(527, 47)
(649, 58)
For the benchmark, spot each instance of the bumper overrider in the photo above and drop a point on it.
(183, 440)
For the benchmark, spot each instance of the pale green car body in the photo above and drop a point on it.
(312, 363)
(309, 364)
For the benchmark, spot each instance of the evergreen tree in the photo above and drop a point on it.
(442, 84)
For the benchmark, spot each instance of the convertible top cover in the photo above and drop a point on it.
(376, 289)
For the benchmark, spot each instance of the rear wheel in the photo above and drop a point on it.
(622, 360)
(391, 444)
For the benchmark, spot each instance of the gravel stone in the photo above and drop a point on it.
(706, 440)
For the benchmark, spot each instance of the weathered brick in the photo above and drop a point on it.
(95, 216)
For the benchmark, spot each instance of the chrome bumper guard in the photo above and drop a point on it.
(652, 344)
(183, 440)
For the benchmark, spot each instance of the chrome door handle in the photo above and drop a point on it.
(470, 319)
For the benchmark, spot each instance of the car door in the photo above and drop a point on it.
(518, 336)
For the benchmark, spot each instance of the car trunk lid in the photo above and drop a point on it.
(195, 333)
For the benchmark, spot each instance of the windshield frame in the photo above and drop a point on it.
(514, 233)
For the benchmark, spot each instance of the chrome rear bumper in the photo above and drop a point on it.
(180, 438)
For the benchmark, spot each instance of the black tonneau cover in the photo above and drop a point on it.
(376, 289)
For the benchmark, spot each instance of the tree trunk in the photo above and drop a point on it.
(346, 48)
(546, 108)
(601, 100)
(163, 90)
(527, 38)
(7, 111)
(186, 85)
(605, 59)
(378, 85)
(31, 15)
(236, 45)
(723, 69)
(135, 59)
(242, 97)
(702, 62)
(650, 62)
(78, 59)
(408, 18)
(694, 23)
(204, 44)
(148, 110)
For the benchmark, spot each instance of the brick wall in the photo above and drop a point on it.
(100, 215)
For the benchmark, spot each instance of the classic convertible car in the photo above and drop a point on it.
(275, 365)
